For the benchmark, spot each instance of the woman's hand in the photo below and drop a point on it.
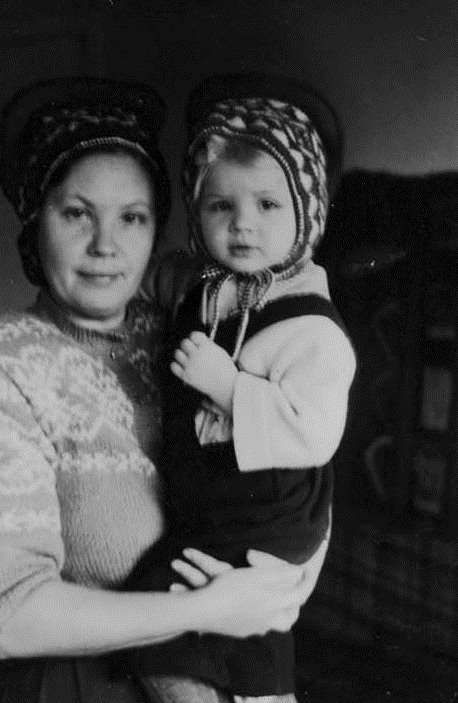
(310, 570)
(244, 601)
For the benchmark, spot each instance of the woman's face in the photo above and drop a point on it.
(96, 234)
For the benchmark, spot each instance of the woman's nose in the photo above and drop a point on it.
(102, 240)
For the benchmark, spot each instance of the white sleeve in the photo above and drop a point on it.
(31, 547)
(292, 414)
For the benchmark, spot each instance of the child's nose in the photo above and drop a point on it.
(243, 219)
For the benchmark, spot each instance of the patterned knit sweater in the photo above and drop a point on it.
(79, 433)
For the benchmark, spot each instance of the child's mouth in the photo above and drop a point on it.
(241, 250)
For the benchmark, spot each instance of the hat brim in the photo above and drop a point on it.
(220, 87)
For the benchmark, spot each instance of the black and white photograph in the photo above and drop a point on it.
(228, 343)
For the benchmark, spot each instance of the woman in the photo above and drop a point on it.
(80, 412)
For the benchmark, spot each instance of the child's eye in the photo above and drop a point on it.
(73, 212)
(219, 206)
(267, 204)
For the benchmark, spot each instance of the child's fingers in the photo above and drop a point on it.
(181, 357)
(177, 369)
(187, 346)
(198, 338)
(206, 563)
(195, 577)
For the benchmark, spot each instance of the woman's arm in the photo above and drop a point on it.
(42, 615)
(62, 619)
(199, 568)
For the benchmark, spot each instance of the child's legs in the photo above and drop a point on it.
(178, 689)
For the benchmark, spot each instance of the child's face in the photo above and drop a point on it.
(247, 214)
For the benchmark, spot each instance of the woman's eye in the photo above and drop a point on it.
(131, 218)
(267, 204)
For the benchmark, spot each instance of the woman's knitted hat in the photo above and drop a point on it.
(281, 116)
(49, 124)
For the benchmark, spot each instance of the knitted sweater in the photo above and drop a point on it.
(79, 432)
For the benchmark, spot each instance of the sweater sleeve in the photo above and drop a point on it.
(31, 548)
(289, 411)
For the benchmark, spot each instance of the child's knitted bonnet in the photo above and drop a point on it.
(290, 122)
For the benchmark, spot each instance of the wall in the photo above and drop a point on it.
(387, 66)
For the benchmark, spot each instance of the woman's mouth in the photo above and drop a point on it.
(99, 279)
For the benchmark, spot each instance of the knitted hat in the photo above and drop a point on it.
(48, 124)
(289, 121)
(281, 116)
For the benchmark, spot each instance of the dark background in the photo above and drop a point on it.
(381, 626)
(388, 66)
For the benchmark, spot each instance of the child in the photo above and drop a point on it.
(262, 368)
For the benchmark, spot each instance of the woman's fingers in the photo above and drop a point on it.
(193, 576)
(279, 568)
(307, 574)
(253, 600)
(257, 558)
(209, 565)
(286, 619)
(178, 588)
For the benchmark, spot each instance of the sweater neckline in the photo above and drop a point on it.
(46, 307)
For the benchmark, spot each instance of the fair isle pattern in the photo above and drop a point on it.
(285, 132)
(78, 437)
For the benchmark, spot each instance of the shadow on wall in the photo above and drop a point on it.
(388, 68)
(391, 252)
(388, 583)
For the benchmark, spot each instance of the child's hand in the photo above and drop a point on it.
(208, 368)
